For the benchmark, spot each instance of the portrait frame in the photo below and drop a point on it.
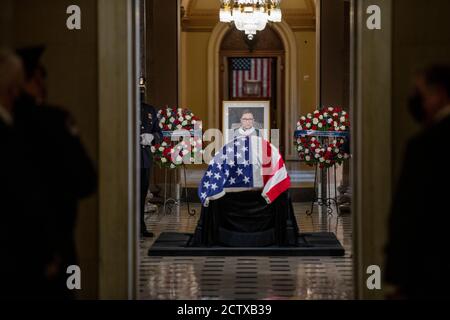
(232, 111)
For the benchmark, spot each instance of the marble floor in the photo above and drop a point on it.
(231, 278)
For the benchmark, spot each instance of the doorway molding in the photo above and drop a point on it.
(370, 109)
(118, 35)
(371, 95)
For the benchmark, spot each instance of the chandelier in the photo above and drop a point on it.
(250, 16)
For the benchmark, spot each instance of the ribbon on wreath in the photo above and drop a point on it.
(316, 133)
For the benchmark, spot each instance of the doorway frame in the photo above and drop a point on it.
(119, 101)
(370, 110)
(371, 55)
(372, 140)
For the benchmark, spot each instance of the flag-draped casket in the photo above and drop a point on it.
(244, 164)
(245, 199)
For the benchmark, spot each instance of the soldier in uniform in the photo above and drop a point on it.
(150, 134)
(59, 171)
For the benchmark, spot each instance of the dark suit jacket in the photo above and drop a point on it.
(22, 242)
(418, 258)
(8, 188)
(149, 124)
(60, 173)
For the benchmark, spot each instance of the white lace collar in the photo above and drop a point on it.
(246, 132)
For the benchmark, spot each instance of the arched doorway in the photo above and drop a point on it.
(263, 59)
(289, 94)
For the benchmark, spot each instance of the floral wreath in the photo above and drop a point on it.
(330, 150)
(172, 154)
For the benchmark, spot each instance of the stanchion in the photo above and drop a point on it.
(193, 211)
(328, 200)
(171, 202)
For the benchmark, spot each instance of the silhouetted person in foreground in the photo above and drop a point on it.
(21, 271)
(418, 260)
(60, 172)
(23, 233)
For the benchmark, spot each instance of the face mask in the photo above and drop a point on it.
(415, 106)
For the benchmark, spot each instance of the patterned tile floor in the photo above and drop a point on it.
(192, 278)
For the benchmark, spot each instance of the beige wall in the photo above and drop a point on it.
(71, 60)
(194, 46)
(306, 49)
(162, 53)
(334, 51)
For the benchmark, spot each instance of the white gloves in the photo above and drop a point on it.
(147, 139)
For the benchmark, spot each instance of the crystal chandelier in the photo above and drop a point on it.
(250, 16)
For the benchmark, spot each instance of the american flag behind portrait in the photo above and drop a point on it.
(253, 69)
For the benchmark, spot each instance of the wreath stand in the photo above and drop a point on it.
(327, 196)
(172, 174)
(169, 201)
(326, 199)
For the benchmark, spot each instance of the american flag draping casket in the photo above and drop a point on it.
(244, 164)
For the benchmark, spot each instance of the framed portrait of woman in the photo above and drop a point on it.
(245, 118)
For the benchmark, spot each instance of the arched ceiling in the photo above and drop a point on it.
(203, 15)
